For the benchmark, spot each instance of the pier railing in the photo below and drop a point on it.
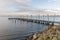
(38, 17)
(43, 19)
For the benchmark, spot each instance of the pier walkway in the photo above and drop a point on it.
(37, 20)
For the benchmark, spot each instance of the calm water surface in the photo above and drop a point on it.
(18, 30)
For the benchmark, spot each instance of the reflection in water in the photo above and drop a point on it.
(17, 29)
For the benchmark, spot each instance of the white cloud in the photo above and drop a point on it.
(23, 1)
(53, 0)
(10, 5)
(7, 4)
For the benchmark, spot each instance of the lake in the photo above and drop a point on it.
(18, 30)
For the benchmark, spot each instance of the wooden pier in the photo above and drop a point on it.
(37, 20)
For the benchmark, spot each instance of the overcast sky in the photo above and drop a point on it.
(28, 5)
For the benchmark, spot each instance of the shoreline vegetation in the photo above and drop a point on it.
(52, 33)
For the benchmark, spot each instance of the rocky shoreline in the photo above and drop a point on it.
(52, 33)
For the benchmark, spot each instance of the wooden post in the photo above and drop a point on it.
(20, 16)
(37, 18)
(31, 16)
(43, 17)
(27, 16)
(48, 17)
(23, 16)
(54, 18)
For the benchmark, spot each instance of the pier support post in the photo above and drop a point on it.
(27, 17)
(31, 16)
(54, 18)
(48, 17)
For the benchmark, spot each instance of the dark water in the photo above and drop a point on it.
(18, 30)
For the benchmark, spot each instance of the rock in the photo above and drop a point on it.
(54, 38)
(34, 36)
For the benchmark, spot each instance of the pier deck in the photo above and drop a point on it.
(36, 21)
